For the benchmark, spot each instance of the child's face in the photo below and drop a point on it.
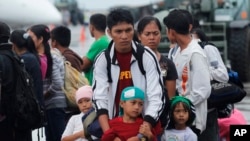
(181, 115)
(84, 104)
(132, 108)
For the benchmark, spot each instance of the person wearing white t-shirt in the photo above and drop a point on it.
(74, 129)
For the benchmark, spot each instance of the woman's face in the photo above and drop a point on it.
(37, 41)
(151, 35)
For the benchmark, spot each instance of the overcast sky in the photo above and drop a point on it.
(106, 4)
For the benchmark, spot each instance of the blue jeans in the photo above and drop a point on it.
(55, 124)
(211, 133)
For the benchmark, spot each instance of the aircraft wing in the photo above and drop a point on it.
(18, 13)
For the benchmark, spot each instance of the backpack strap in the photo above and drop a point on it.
(107, 55)
(204, 43)
(139, 57)
(87, 121)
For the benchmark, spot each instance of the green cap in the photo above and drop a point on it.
(178, 99)
(131, 93)
(187, 102)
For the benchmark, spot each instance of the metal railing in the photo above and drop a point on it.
(216, 33)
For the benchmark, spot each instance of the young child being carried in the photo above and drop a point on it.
(126, 126)
(74, 129)
(182, 115)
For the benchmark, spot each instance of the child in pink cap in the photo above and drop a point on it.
(74, 129)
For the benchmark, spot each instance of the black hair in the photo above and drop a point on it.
(200, 33)
(188, 15)
(43, 31)
(4, 32)
(119, 15)
(62, 35)
(178, 21)
(196, 23)
(22, 40)
(98, 21)
(191, 115)
(145, 21)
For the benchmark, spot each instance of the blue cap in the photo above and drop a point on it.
(131, 93)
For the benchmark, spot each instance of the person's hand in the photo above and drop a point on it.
(145, 129)
(147, 123)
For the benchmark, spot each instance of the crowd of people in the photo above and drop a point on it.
(128, 103)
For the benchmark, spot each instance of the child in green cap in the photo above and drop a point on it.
(182, 115)
(125, 127)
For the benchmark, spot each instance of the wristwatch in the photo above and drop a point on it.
(141, 137)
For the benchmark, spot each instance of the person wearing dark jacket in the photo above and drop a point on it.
(24, 46)
(8, 90)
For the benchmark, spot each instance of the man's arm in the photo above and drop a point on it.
(154, 88)
(217, 67)
(201, 88)
(100, 91)
(86, 63)
(171, 88)
(103, 120)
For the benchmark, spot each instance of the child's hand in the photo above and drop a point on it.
(145, 129)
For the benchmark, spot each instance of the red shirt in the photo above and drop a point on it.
(122, 130)
(125, 78)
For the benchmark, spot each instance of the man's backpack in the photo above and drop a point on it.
(140, 50)
(234, 78)
(73, 80)
(223, 94)
(24, 106)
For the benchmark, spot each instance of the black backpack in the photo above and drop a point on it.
(24, 107)
(224, 95)
(140, 50)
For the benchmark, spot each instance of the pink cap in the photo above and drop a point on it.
(84, 92)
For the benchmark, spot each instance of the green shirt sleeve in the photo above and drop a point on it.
(98, 46)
